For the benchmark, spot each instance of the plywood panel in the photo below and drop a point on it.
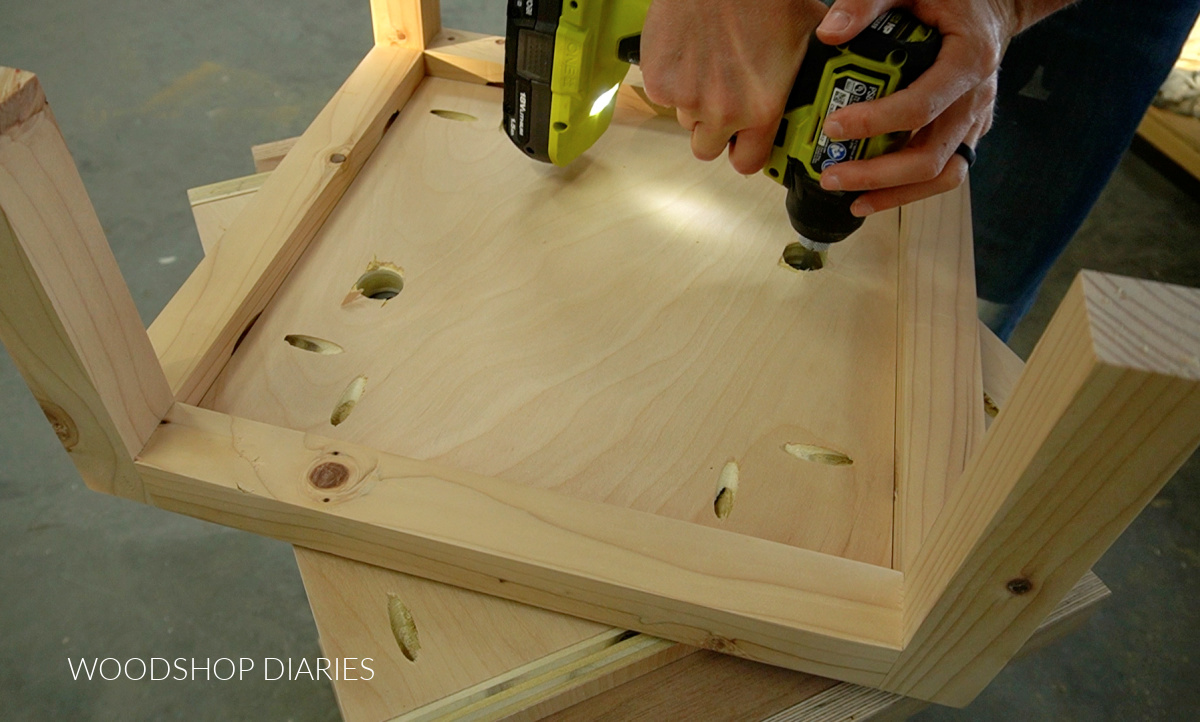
(618, 330)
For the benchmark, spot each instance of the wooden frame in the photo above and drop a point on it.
(1105, 411)
(525, 662)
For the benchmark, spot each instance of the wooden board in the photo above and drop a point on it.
(199, 328)
(1176, 136)
(570, 364)
(66, 316)
(1067, 460)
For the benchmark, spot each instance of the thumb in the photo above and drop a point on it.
(847, 18)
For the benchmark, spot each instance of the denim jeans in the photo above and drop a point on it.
(1073, 89)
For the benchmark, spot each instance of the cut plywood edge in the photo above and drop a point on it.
(478, 653)
(268, 156)
(216, 206)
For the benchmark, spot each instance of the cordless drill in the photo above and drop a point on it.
(565, 60)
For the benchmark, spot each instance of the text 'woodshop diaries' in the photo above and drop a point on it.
(222, 669)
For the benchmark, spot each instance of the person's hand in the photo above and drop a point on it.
(727, 67)
(951, 103)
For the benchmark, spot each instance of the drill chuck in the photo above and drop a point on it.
(821, 217)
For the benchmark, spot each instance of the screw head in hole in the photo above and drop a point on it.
(1019, 586)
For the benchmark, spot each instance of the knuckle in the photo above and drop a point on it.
(987, 93)
(929, 167)
(690, 102)
(726, 115)
(960, 173)
(761, 116)
(990, 59)
(657, 89)
(953, 177)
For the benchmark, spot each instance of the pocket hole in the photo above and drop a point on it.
(404, 628)
(799, 258)
(246, 332)
(818, 454)
(350, 398)
(727, 485)
(454, 115)
(382, 281)
(990, 407)
(313, 344)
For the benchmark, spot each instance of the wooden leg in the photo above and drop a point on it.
(1103, 415)
(66, 315)
(406, 22)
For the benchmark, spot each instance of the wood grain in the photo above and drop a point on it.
(66, 316)
(216, 206)
(845, 702)
(467, 638)
(1107, 409)
(1001, 370)
(702, 686)
(471, 640)
(616, 331)
(940, 413)
(1176, 136)
(711, 686)
(633, 570)
(199, 328)
(343, 594)
(556, 682)
(466, 56)
(412, 23)
(268, 156)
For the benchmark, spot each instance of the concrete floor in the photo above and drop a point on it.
(156, 97)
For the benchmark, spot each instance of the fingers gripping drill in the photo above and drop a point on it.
(565, 60)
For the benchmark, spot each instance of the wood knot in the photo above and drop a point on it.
(329, 475)
(720, 644)
(64, 426)
(1019, 586)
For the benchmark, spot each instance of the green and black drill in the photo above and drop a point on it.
(565, 60)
